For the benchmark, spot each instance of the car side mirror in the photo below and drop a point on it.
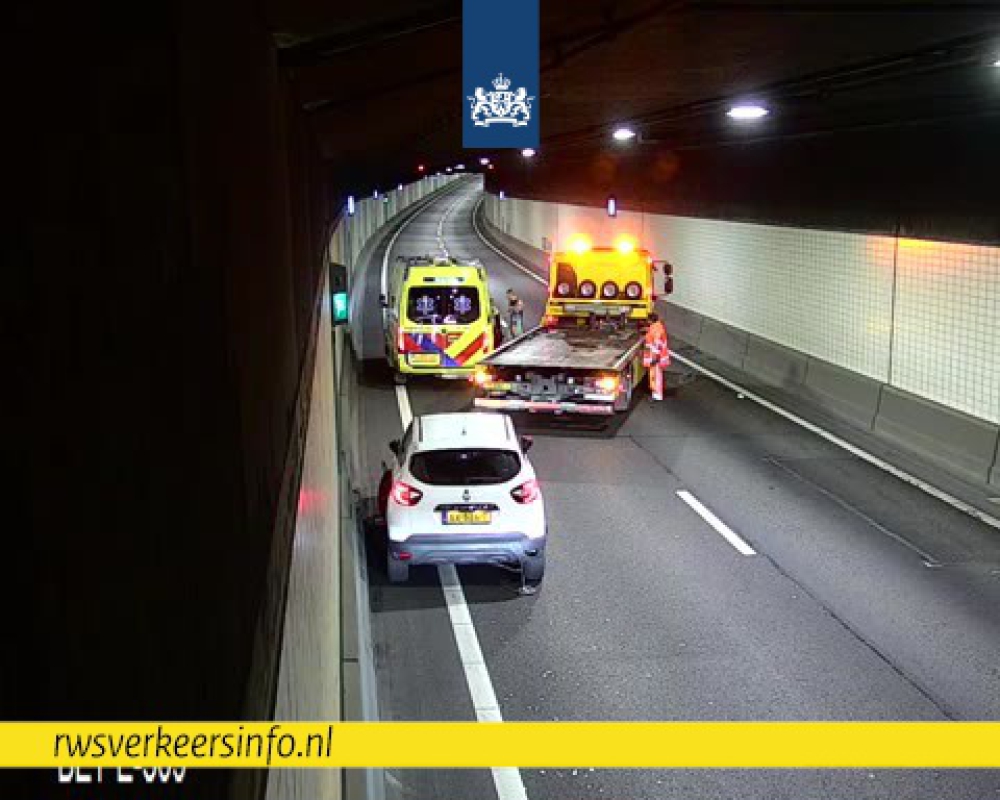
(526, 442)
(395, 447)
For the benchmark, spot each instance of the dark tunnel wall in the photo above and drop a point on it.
(164, 278)
(928, 181)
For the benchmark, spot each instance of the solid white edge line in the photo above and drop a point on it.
(864, 455)
(405, 412)
(720, 527)
(392, 242)
(507, 780)
(500, 253)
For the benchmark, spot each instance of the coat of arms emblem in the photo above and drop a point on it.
(501, 105)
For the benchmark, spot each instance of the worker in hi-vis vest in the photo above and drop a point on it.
(656, 355)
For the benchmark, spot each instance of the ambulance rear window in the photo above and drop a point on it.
(443, 305)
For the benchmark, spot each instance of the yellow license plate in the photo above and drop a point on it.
(468, 517)
(425, 359)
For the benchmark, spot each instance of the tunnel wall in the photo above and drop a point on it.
(321, 675)
(167, 251)
(919, 315)
(888, 300)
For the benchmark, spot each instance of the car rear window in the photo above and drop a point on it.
(443, 305)
(465, 467)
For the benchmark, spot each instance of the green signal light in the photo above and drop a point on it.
(340, 307)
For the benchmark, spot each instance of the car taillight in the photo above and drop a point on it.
(609, 290)
(482, 376)
(633, 291)
(400, 341)
(550, 320)
(527, 492)
(588, 289)
(562, 289)
(405, 495)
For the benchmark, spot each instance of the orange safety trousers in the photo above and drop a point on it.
(656, 358)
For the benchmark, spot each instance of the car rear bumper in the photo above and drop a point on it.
(488, 548)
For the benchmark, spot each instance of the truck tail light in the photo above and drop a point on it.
(550, 320)
(607, 384)
(527, 492)
(482, 376)
(400, 341)
(405, 495)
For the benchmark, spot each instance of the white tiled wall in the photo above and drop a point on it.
(946, 345)
(924, 316)
(370, 213)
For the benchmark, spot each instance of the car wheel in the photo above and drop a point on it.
(533, 568)
(399, 571)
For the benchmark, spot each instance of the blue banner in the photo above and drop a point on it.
(500, 83)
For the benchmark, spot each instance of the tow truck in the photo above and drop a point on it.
(586, 355)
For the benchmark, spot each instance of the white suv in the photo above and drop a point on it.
(462, 491)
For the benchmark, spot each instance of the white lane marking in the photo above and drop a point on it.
(720, 527)
(403, 399)
(864, 455)
(506, 780)
(500, 253)
(388, 252)
(440, 229)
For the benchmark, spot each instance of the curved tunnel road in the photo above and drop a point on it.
(648, 613)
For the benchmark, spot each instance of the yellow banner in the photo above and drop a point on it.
(503, 744)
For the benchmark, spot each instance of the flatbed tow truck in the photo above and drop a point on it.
(586, 356)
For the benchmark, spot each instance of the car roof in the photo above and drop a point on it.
(468, 429)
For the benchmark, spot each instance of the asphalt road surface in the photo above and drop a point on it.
(863, 598)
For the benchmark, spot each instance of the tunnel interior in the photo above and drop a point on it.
(177, 173)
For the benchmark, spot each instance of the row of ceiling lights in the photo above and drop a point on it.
(750, 112)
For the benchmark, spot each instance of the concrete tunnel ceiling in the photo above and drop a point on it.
(380, 84)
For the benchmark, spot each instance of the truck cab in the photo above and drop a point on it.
(611, 282)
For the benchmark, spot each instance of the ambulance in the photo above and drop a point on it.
(439, 317)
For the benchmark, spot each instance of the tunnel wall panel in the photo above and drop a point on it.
(775, 365)
(966, 445)
(917, 314)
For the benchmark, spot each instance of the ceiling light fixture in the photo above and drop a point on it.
(745, 113)
(623, 133)
(484, 161)
(528, 152)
